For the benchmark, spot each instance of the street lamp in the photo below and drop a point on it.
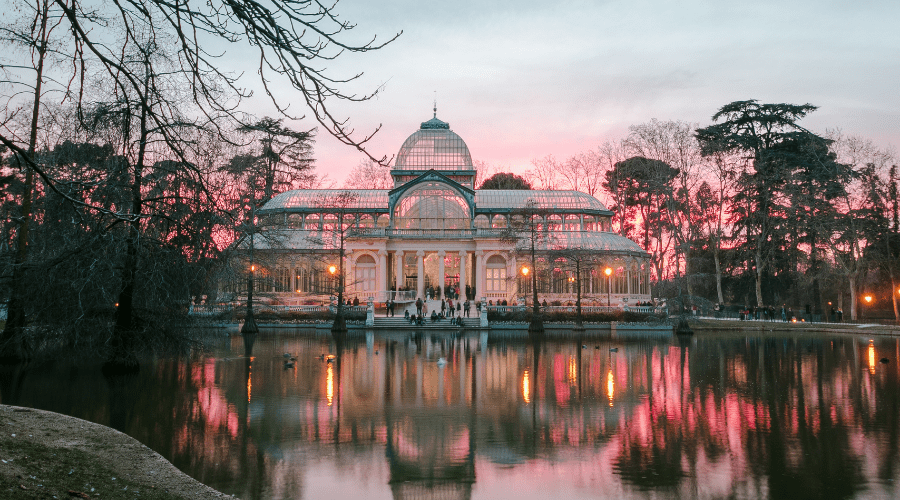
(249, 327)
(339, 325)
(608, 272)
(868, 298)
(525, 272)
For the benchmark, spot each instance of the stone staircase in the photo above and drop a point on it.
(399, 321)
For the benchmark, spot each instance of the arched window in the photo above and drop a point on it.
(281, 279)
(349, 221)
(366, 221)
(619, 283)
(330, 223)
(295, 221)
(481, 221)
(634, 279)
(384, 220)
(590, 223)
(313, 222)
(432, 205)
(554, 223)
(364, 279)
(495, 274)
(560, 276)
(572, 223)
(498, 222)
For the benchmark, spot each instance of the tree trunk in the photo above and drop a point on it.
(122, 357)
(759, 274)
(11, 340)
(718, 262)
(852, 278)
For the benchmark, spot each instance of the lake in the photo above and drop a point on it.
(402, 415)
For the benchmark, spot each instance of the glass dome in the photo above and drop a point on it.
(434, 146)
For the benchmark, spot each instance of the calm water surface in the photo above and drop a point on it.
(384, 417)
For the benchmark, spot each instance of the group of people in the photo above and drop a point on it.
(450, 292)
(419, 318)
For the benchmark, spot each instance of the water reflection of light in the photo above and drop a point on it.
(610, 386)
(573, 370)
(872, 357)
(249, 381)
(329, 384)
(526, 387)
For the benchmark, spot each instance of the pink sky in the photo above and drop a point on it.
(526, 79)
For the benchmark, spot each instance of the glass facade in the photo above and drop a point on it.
(435, 229)
(432, 205)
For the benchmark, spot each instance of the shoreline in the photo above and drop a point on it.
(50, 455)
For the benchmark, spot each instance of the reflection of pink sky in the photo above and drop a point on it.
(654, 406)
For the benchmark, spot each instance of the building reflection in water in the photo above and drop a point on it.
(383, 417)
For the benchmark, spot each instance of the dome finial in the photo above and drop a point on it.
(435, 103)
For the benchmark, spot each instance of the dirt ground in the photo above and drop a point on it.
(47, 455)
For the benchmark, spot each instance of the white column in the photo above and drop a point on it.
(398, 268)
(479, 274)
(420, 274)
(462, 273)
(512, 274)
(441, 271)
(293, 277)
(350, 276)
(382, 270)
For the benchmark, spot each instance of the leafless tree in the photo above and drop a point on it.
(529, 236)
(369, 174)
(673, 143)
(545, 174)
(293, 41)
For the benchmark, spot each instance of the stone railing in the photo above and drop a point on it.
(386, 232)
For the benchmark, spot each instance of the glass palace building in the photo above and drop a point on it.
(434, 231)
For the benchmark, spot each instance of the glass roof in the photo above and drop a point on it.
(435, 146)
(323, 198)
(590, 241)
(487, 199)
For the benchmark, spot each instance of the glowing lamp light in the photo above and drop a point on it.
(525, 271)
(608, 271)
(526, 387)
(871, 353)
(253, 267)
(610, 386)
(868, 299)
(332, 269)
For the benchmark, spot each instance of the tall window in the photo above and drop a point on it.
(364, 279)
(496, 274)
(282, 279)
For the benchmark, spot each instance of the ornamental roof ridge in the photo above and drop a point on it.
(434, 123)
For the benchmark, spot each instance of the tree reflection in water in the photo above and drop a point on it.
(708, 417)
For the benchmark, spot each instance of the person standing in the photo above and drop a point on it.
(443, 307)
(419, 306)
(466, 307)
